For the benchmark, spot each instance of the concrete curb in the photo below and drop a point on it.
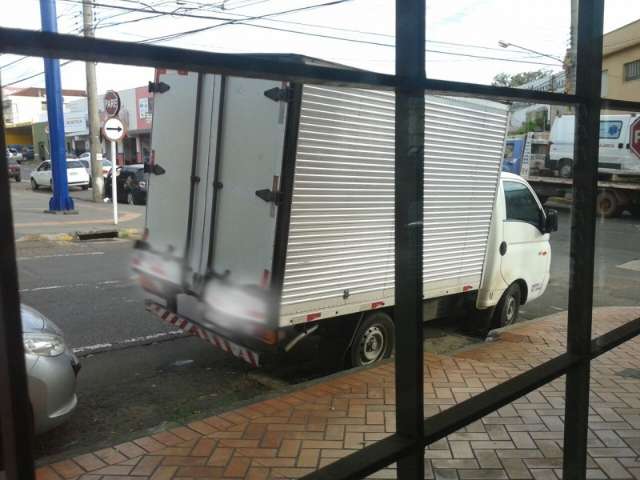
(125, 233)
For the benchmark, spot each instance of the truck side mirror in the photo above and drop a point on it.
(551, 221)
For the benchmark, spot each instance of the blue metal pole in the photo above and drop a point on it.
(60, 200)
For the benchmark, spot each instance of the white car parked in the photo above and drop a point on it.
(76, 173)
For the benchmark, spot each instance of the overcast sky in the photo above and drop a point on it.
(458, 32)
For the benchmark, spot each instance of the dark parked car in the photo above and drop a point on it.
(131, 184)
(27, 153)
(14, 169)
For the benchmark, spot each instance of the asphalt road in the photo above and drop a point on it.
(86, 288)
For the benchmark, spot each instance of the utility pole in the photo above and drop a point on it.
(570, 60)
(60, 201)
(92, 102)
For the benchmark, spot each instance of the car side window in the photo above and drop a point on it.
(44, 167)
(521, 204)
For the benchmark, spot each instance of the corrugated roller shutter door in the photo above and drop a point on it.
(342, 215)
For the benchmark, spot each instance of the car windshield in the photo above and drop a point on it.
(73, 164)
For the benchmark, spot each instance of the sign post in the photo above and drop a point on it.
(634, 141)
(113, 130)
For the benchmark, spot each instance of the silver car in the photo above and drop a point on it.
(52, 369)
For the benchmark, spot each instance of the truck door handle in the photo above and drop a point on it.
(621, 145)
(503, 248)
(268, 195)
(273, 196)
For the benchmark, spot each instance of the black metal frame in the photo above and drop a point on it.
(414, 432)
(193, 180)
(283, 216)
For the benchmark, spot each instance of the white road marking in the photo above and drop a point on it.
(128, 341)
(632, 265)
(557, 308)
(38, 257)
(77, 285)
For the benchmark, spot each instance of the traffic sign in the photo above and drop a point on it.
(634, 142)
(112, 103)
(113, 129)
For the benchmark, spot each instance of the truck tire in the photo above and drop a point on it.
(607, 205)
(373, 341)
(565, 168)
(508, 308)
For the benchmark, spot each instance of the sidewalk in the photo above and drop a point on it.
(295, 433)
(29, 217)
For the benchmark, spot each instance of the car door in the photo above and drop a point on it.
(612, 143)
(525, 246)
(43, 175)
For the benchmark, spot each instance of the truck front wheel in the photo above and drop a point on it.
(373, 340)
(509, 307)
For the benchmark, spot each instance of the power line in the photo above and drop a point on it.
(13, 63)
(243, 19)
(260, 17)
(204, 6)
(257, 17)
(34, 75)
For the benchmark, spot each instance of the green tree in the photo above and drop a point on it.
(507, 80)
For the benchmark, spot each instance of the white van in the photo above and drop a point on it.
(270, 215)
(616, 156)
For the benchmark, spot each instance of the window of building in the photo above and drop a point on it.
(521, 205)
(632, 71)
(604, 84)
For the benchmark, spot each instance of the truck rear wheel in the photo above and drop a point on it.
(373, 341)
(508, 308)
(565, 168)
(607, 204)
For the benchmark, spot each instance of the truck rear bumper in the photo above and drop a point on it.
(215, 339)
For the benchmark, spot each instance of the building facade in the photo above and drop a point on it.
(621, 63)
(24, 107)
(135, 113)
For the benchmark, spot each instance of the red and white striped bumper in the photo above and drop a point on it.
(249, 356)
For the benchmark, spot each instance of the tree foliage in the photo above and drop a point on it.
(507, 80)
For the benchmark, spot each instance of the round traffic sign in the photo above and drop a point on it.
(634, 141)
(113, 129)
(111, 103)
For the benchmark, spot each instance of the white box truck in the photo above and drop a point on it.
(270, 215)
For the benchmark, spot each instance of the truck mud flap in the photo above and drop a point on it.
(187, 326)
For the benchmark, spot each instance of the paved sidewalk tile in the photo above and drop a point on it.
(300, 431)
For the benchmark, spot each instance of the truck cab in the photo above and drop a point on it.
(519, 253)
(615, 156)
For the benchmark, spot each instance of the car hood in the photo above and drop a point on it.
(33, 321)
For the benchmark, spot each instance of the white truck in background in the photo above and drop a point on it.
(270, 215)
(618, 165)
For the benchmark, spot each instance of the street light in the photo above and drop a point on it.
(504, 44)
